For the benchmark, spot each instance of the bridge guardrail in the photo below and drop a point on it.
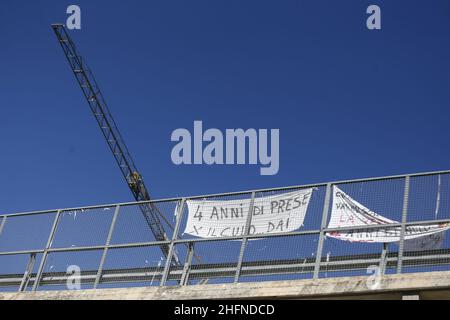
(111, 245)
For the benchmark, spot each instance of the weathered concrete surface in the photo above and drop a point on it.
(434, 285)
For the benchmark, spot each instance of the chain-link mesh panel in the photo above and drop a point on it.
(65, 270)
(129, 267)
(429, 199)
(427, 253)
(33, 263)
(350, 258)
(167, 212)
(215, 261)
(284, 257)
(279, 258)
(132, 227)
(12, 269)
(180, 260)
(384, 197)
(358, 259)
(84, 227)
(28, 232)
(212, 217)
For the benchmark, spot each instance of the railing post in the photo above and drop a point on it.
(45, 254)
(326, 207)
(244, 239)
(27, 273)
(105, 250)
(179, 211)
(187, 266)
(383, 258)
(2, 225)
(403, 227)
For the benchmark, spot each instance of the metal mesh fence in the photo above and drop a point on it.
(136, 266)
(82, 228)
(131, 218)
(392, 224)
(294, 256)
(13, 266)
(65, 270)
(27, 232)
(211, 262)
(429, 200)
(352, 258)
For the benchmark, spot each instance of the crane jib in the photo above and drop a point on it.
(100, 110)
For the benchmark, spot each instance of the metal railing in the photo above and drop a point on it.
(111, 245)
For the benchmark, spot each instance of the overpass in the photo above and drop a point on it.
(112, 255)
(413, 286)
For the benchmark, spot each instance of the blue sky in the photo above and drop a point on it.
(349, 102)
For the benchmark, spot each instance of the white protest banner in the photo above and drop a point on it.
(272, 214)
(347, 212)
(431, 242)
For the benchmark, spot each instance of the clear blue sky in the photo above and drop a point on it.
(349, 102)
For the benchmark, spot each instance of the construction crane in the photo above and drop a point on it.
(99, 108)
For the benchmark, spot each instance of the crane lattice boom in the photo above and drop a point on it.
(99, 108)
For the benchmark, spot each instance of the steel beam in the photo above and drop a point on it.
(105, 250)
(249, 269)
(45, 254)
(248, 223)
(2, 224)
(179, 214)
(187, 266)
(326, 206)
(27, 274)
(155, 201)
(403, 227)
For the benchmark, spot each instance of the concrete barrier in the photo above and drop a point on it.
(425, 285)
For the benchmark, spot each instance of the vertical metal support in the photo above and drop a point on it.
(326, 207)
(244, 239)
(187, 266)
(403, 227)
(2, 225)
(383, 259)
(45, 254)
(179, 210)
(105, 250)
(27, 273)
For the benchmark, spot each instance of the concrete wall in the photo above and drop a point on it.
(427, 285)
